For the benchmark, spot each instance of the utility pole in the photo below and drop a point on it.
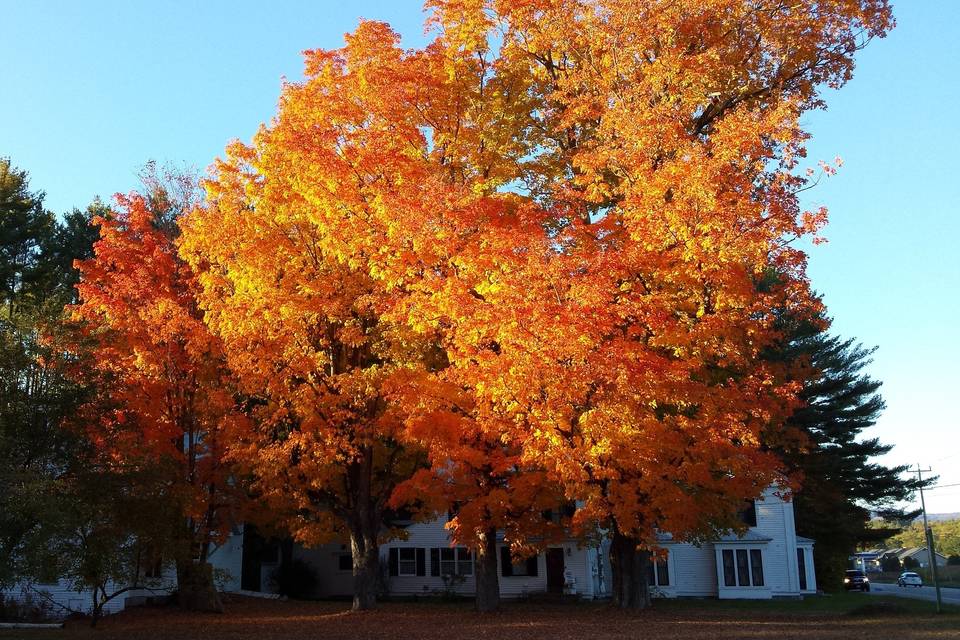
(928, 532)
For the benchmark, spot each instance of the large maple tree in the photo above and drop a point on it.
(537, 251)
(664, 147)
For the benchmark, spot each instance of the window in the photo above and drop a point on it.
(446, 561)
(345, 562)
(152, 564)
(756, 567)
(802, 568)
(408, 562)
(743, 568)
(464, 562)
(528, 567)
(729, 574)
(748, 514)
(561, 513)
(659, 575)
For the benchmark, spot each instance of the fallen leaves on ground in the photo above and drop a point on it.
(268, 619)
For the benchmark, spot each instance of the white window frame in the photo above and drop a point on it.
(457, 557)
(656, 572)
(412, 561)
(736, 568)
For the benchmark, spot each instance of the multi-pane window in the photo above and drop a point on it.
(455, 562)
(528, 567)
(464, 562)
(407, 561)
(743, 567)
(659, 574)
(447, 561)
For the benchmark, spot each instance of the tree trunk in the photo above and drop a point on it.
(97, 610)
(630, 568)
(364, 521)
(366, 568)
(488, 582)
(196, 590)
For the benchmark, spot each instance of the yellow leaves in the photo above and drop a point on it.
(537, 262)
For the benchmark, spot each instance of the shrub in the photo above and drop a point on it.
(451, 584)
(25, 609)
(295, 579)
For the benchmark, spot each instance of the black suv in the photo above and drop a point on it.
(856, 579)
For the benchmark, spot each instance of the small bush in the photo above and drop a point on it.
(890, 563)
(451, 585)
(295, 579)
(26, 608)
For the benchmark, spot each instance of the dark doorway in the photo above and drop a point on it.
(256, 551)
(555, 570)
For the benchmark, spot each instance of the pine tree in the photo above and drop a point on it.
(842, 485)
(36, 281)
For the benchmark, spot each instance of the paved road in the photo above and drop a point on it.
(950, 596)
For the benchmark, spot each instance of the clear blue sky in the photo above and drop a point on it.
(92, 90)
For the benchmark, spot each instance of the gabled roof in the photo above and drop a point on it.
(912, 551)
(749, 536)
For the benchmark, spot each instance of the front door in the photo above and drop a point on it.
(250, 559)
(555, 570)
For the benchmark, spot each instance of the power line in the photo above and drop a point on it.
(944, 486)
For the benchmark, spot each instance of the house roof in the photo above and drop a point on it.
(912, 551)
(749, 536)
(802, 540)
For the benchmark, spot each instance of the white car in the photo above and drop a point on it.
(909, 578)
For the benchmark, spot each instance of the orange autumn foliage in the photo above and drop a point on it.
(548, 251)
(164, 396)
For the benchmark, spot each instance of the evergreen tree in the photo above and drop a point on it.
(842, 484)
(36, 282)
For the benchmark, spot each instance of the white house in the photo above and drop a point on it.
(61, 599)
(768, 561)
(873, 560)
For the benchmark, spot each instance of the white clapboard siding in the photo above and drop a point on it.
(227, 561)
(61, 599)
(693, 570)
(331, 581)
(775, 521)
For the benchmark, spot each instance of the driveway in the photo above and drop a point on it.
(950, 596)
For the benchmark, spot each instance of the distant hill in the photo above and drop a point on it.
(942, 516)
